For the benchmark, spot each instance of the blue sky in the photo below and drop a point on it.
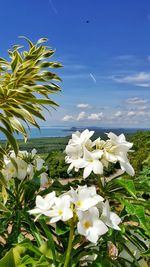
(104, 46)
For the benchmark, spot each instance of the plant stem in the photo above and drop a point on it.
(68, 254)
(100, 185)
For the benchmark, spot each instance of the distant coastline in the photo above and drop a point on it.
(106, 129)
(62, 131)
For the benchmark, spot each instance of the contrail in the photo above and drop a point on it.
(93, 78)
(53, 7)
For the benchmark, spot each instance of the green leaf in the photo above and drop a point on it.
(104, 262)
(10, 139)
(12, 257)
(3, 208)
(30, 43)
(140, 213)
(26, 115)
(128, 206)
(42, 40)
(51, 65)
(33, 228)
(33, 111)
(61, 228)
(46, 251)
(45, 102)
(18, 126)
(14, 61)
(50, 239)
(128, 185)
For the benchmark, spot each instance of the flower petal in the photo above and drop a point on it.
(97, 167)
(87, 171)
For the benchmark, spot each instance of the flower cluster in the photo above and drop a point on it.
(90, 155)
(92, 213)
(24, 165)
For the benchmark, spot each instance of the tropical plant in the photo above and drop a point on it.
(25, 85)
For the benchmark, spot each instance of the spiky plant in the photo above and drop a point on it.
(25, 85)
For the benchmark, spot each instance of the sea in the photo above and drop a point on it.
(43, 132)
(62, 131)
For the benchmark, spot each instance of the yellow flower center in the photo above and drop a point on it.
(79, 204)
(12, 170)
(87, 224)
(60, 212)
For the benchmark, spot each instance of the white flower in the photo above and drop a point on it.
(119, 140)
(125, 164)
(33, 152)
(92, 162)
(90, 225)
(9, 171)
(81, 138)
(116, 149)
(75, 149)
(43, 205)
(43, 179)
(61, 210)
(111, 219)
(39, 163)
(85, 197)
(22, 169)
(74, 154)
(30, 170)
(21, 154)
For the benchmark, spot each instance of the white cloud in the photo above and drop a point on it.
(139, 79)
(82, 115)
(143, 107)
(136, 101)
(143, 113)
(67, 118)
(96, 116)
(118, 114)
(138, 113)
(83, 105)
(131, 113)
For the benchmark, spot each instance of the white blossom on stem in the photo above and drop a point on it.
(92, 162)
(9, 171)
(110, 218)
(43, 179)
(116, 149)
(61, 210)
(43, 205)
(80, 138)
(22, 169)
(90, 225)
(85, 197)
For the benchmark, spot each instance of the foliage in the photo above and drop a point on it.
(25, 86)
(56, 165)
(141, 149)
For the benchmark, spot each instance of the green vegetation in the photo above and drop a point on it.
(141, 150)
(53, 148)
